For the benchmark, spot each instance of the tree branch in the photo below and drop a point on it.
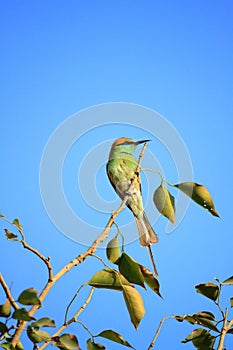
(224, 330)
(72, 320)
(158, 331)
(80, 258)
(8, 293)
(28, 247)
(36, 252)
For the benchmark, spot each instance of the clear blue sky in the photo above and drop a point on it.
(174, 57)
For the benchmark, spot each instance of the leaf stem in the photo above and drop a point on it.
(87, 329)
(102, 260)
(121, 235)
(154, 171)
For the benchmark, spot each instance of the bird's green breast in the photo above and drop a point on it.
(121, 172)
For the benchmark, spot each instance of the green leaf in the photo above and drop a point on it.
(37, 336)
(44, 322)
(228, 281)
(165, 202)
(10, 235)
(29, 297)
(1, 216)
(113, 250)
(67, 342)
(3, 328)
(150, 280)
(108, 278)
(114, 336)
(134, 304)
(22, 314)
(189, 319)
(205, 322)
(179, 318)
(94, 346)
(199, 194)
(130, 269)
(203, 318)
(201, 339)
(231, 301)
(206, 314)
(17, 224)
(7, 346)
(209, 290)
(5, 309)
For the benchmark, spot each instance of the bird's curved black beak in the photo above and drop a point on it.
(142, 141)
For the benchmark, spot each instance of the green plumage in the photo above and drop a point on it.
(121, 170)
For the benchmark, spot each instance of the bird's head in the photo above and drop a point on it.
(125, 144)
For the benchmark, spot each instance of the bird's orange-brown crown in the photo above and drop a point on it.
(122, 140)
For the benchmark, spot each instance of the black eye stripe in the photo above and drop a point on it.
(126, 143)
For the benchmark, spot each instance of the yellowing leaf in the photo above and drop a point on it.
(165, 202)
(150, 280)
(134, 304)
(107, 278)
(113, 250)
(114, 336)
(199, 194)
(17, 224)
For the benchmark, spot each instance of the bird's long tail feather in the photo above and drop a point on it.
(152, 260)
(146, 233)
(147, 236)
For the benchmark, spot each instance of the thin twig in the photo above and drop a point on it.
(71, 302)
(71, 320)
(36, 252)
(218, 302)
(28, 247)
(158, 331)
(80, 258)
(8, 293)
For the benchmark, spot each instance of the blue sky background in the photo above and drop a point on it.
(171, 56)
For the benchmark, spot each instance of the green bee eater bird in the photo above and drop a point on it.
(121, 170)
